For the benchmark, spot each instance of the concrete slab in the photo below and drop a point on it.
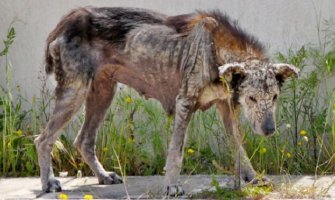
(149, 187)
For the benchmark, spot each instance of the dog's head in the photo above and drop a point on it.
(256, 86)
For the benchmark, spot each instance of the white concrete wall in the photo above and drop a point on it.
(280, 24)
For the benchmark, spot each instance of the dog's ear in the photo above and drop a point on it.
(284, 71)
(234, 73)
(230, 69)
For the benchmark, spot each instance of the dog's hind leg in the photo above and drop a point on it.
(98, 100)
(69, 99)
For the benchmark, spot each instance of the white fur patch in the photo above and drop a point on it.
(277, 66)
(226, 67)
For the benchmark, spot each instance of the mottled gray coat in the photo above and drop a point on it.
(177, 60)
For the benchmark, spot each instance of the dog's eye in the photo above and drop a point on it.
(275, 98)
(253, 99)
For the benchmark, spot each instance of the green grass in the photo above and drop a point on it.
(247, 192)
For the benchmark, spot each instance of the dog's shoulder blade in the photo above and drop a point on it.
(211, 93)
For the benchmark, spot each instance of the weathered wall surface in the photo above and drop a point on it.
(279, 24)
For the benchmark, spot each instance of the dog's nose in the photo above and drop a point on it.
(269, 131)
(268, 127)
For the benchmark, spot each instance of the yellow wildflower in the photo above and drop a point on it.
(299, 143)
(105, 149)
(19, 132)
(129, 100)
(303, 132)
(88, 197)
(263, 150)
(288, 154)
(190, 151)
(63, 196)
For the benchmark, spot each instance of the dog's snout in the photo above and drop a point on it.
(268, 126)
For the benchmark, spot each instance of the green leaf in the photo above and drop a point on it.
(9, 41)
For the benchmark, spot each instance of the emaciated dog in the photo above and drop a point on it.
(187, 62)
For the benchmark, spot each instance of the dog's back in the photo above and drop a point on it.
(70, 49)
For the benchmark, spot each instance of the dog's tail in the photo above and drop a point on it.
(74, 24)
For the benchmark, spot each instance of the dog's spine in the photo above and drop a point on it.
(70, 43)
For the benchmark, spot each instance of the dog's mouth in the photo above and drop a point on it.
(269, 134)
(263, 132)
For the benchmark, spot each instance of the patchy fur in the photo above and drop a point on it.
(174, 59)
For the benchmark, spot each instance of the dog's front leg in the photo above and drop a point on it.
(175, 154)
(244, 168)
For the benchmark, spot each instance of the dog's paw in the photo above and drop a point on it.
(261, 181)
(250, 177)
(111, 178)
(174, 190)
(53, 185)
